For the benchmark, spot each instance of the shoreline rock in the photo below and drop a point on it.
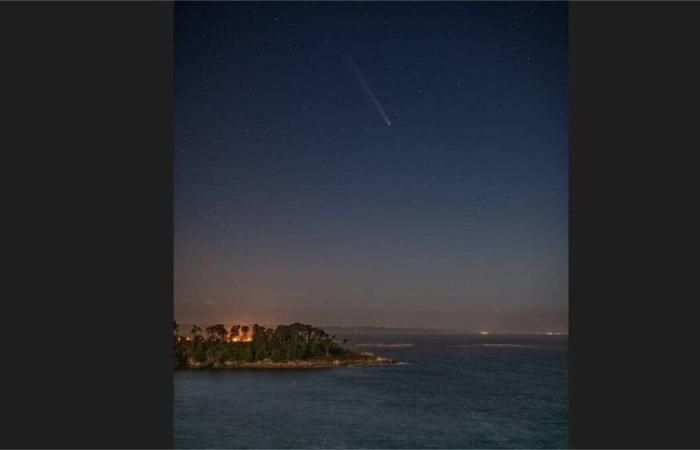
(294, 364)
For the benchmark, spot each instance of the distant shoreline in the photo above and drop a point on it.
(368, 329)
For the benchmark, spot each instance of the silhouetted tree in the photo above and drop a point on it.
(196, 333)
(216, 332)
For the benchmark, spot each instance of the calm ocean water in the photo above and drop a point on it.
(451, 391)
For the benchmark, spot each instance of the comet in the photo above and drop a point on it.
(368, 90)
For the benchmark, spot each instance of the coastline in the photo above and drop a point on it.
(293, 364)
(295, 346)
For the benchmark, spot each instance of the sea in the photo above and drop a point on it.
(449, 391)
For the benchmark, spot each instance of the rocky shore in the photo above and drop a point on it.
(361, 359)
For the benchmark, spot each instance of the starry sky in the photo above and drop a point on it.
(385, 164)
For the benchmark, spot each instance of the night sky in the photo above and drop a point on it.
(386, 164)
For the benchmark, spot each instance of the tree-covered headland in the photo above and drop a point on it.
(242, 346)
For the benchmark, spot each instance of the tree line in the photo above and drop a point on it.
(215, 346)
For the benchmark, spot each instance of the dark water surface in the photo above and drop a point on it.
(451, 391)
